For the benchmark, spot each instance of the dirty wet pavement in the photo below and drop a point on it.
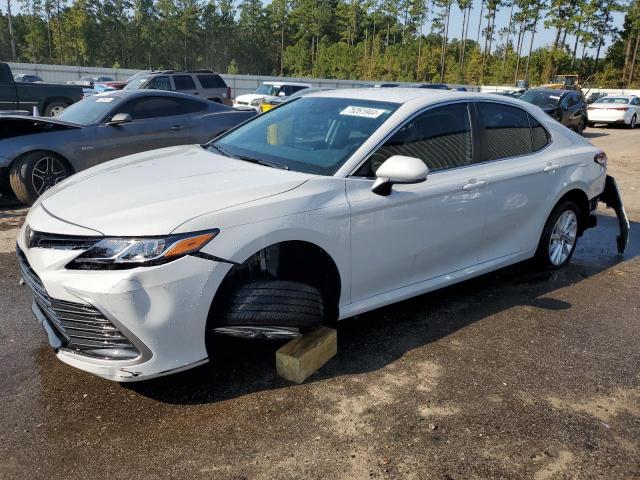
(516, 374)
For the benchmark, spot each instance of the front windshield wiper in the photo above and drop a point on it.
(215, 147)
(258, 161)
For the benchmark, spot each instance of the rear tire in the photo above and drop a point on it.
(280, 303)
(34, 173)
(559, 237)
(591, 124)
(581, 126)
(632, 123)
(55, 108)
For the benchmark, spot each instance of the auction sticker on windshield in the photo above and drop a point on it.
(105, 100)
(366, 112)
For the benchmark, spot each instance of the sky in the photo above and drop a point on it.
(543, 36)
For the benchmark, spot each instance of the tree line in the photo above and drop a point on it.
(401, 40)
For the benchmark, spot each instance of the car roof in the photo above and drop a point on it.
(394, 95)
(419, 97)
(146, 93)
(557, 91)
(293, 84)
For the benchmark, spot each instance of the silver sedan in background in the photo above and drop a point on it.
(36, 153)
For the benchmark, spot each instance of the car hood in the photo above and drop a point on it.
(154, 192)
(19, 125)
(252, 96)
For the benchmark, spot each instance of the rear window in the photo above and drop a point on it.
(184, 82)
(211, 81)
(539, 136)
(620, 100)
(506, 130)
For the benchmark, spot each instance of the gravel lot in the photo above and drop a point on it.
(516, 374)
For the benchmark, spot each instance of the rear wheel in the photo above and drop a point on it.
(559, 237)
(270, 308)
(581, 126)
(54, 109)
(34, 173)
(632, 123)
(591, 124)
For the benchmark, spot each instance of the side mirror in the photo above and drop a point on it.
(399, 169)
(120, 118)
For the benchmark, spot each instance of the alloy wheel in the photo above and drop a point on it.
(46, 173)
(563, 237)
(57, 110)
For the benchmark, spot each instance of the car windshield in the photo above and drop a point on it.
(312, 134)
(620, 100)
(267, 90)
(89, 110)
(541, 99)
(136, 83)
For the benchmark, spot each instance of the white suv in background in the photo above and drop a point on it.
(333, 204)
(267, 91)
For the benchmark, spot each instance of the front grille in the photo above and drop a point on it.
(60, 242)
(82, 328)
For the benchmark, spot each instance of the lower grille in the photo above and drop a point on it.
(82, 328)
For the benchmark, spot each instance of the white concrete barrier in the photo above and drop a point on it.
(240, 84)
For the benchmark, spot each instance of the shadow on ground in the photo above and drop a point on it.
(373, 340)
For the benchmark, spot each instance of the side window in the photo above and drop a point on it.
(152, 107)
(506, 130)
(636, 101)
(539, 136)
(211, 81)
(440, 137)
(184, 82)
(190, 106)
(159, 83)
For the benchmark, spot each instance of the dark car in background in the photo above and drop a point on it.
(595, 96)
(36, 153)
(202, 83)
(51, 99)
(567, 106)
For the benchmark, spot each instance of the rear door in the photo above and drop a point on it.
(213, 87)
(425, 230)
(523, 175)
(185, 84)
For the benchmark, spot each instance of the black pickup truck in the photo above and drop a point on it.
(50, 98)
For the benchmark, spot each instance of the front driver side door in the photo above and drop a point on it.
(157, 122)
(425, 230)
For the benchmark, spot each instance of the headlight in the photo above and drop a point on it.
(257, 101)
(119, 253)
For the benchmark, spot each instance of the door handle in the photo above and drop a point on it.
(551, 168)
(472, 185)
(176, 127)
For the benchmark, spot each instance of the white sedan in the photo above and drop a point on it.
(620, 109)
(329, 206)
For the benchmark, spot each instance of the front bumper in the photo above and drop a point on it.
(611, 198)
(162, 310)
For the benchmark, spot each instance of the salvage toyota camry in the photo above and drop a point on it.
(325, 207)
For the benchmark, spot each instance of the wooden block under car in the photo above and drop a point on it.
(302, 356)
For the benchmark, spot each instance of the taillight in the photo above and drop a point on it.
(601, 159)
(228, 92)
(624, 109)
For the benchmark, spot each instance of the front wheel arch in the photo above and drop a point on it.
(294, 260)
(16, 179)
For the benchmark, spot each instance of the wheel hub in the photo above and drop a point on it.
(563, 237)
